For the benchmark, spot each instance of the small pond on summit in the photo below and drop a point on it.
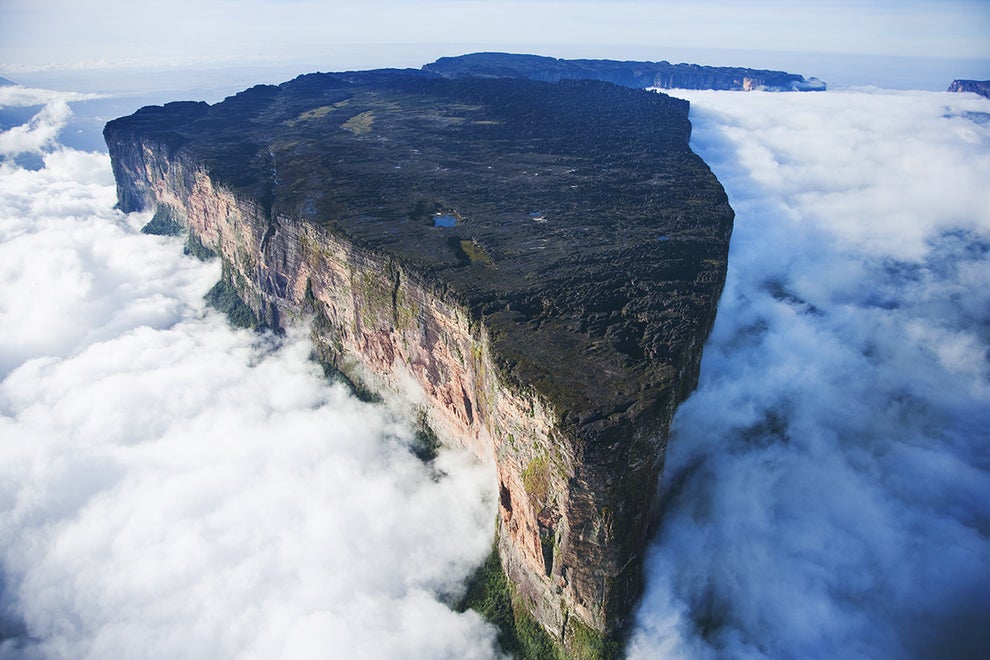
(445, 220)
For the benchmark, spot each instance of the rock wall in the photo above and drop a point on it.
(981, 87)
(571, 525)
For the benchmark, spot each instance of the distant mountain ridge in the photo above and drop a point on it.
(4, 82)
(663, 75)
(981, 87)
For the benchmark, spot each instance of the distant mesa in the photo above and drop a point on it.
(981, 87)
(662, 75)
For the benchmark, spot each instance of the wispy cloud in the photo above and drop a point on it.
(171, 487)
(41, 132)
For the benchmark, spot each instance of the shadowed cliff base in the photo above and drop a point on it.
(534, 265)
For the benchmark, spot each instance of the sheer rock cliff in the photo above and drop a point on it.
(534, 265)
(981, 87)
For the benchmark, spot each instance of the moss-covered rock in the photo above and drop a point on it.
(224, 298)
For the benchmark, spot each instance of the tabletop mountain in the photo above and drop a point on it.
(533, 266)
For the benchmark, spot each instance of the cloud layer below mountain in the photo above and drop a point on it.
(170, 487)
(827, 485)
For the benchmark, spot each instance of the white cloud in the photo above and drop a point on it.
(172, 488)
(826, 484)
(18, 96)
(40, 134)
(72, 270)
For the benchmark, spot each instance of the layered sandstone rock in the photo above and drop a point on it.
(536, 266)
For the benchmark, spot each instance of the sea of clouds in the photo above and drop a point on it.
(828, 484)
(170, 487)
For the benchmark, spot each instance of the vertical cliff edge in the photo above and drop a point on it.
(534, 266)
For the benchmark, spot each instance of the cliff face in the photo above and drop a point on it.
(663, 75)
(981, 87)
(535, 266)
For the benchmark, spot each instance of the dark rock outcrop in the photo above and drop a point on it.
(663, 75)
(981, 87)
(535, 265)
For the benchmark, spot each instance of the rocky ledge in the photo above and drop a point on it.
(534, 266)
(660, 75)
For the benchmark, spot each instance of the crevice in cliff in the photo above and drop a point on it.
(396, 283)
(270, 232)
(505, 497)
(468, 408)
(548, 546)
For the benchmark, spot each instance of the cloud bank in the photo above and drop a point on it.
(40, 133)
(170, 487)
(827, 484)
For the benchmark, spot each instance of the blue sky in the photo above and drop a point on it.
(101, 33)
(825, 485)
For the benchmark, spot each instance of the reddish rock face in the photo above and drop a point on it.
(551, 323)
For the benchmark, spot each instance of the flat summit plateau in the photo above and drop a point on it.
(544, 260)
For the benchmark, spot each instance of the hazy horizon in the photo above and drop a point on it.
(921, 44)
(170, 486)
(837, 70)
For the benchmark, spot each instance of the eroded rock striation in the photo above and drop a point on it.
(662, 75)
(535, 265)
